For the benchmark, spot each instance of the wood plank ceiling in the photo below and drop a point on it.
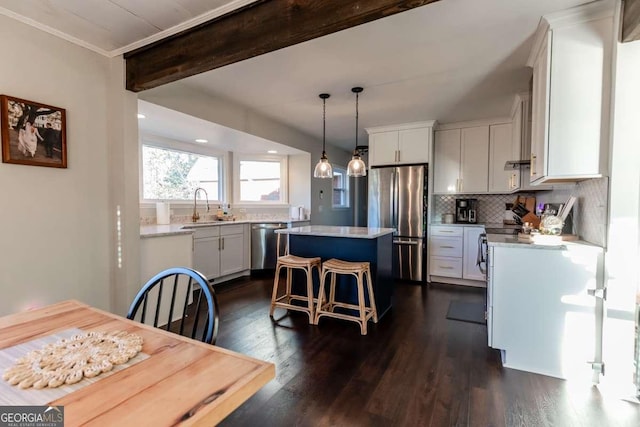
(258, 28)
(631, 21)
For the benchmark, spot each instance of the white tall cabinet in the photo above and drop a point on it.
(571, 94)
(408, 143)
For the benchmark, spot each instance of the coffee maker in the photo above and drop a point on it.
(466, 210)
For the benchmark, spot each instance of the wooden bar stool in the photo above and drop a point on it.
(326, 308)
(291, 262)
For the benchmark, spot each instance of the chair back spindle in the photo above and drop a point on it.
(177, 310)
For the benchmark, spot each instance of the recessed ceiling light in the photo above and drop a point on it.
(201, 140)
(272, 151)
(141, 116)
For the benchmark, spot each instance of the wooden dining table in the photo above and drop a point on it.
(179, 381)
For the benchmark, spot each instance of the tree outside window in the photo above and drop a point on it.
(174, 175)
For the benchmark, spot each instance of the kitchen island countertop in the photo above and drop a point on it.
(337, 231)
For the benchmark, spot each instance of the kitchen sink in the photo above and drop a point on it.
(201, 224)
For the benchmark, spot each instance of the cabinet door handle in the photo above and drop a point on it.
(533, 164)
(399, 156)
(460, 186)
(219, 244)
(223, 243)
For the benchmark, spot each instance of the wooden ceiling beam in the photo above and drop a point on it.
(631, 21)
(258, 28)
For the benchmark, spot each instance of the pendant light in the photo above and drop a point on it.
(323, 168)
(356, 167)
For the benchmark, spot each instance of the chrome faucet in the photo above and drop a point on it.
(196, 215)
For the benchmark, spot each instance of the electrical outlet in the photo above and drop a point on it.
(243, 210)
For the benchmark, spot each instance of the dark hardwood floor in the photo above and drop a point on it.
(414, 368)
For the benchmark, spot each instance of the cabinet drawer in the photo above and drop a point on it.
(202, 232)
(443, 266)
(446, 246)
(439, 230)
(227, 230)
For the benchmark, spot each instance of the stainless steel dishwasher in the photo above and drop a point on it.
(263, 245)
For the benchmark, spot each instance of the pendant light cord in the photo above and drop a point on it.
(357, 96)
(324, 122)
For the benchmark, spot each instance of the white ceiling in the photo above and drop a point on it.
(452, 60)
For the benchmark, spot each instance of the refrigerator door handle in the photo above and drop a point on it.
(394, 198)
(406, 242)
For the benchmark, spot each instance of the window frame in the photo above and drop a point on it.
(185, 147)
(284, 179)
(346, 188)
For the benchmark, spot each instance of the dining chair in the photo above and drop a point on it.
(174, 300)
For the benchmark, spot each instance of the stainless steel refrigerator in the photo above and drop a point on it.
(397, 198)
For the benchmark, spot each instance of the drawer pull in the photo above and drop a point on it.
(445, 231)
(447, 247)
(444, 267)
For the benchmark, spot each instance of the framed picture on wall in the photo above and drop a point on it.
(33, 133)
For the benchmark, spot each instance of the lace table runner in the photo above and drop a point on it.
(12, 395)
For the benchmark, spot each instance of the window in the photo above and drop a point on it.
(340, 188)
(173, 174)
(260, 179)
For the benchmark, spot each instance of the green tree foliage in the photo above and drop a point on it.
(166, 174)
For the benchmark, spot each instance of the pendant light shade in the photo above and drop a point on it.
(323, 169)
(356, 167)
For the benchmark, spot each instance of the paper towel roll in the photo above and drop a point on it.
(163, 213)
(294, 212)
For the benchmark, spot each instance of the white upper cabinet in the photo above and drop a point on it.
(446, 155)
(461, 160)
(500, 152)
(571, 94)
(474, 155)
(400, 144)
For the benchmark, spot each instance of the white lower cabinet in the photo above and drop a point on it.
(159, 253)
(470, 269)
(232, 250)
(541, 311)
(219, 251)
(206, 255)
(445, 251)
(453, 252)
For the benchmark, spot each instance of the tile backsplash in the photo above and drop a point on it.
(589, 214)
(491, 207)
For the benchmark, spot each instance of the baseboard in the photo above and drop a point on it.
(456, 281)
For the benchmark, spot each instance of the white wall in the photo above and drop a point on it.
(623, 248)
(56, 242)
(183, 98)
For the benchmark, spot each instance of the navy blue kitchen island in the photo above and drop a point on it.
(374, 245)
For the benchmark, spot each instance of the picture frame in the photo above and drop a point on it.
(32, 133)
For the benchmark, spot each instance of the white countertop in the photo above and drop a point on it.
(336, 231)
(480, 224)
(506, 240)
(155, 230)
